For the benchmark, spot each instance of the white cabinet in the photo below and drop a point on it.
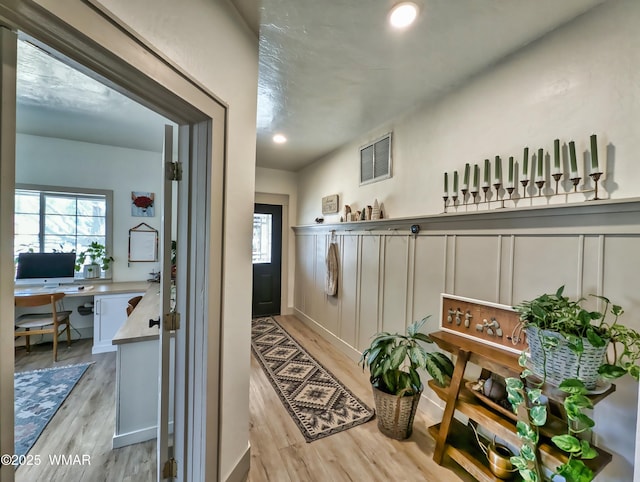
(109, 314)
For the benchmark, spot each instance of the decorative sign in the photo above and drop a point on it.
(330, 204)
(491, 323)
(143, 243)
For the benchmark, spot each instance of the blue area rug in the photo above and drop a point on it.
(38, 395)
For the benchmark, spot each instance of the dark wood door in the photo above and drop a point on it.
(267, 256)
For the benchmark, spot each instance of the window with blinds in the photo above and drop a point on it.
(375, 160)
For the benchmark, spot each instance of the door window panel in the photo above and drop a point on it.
(262, 238)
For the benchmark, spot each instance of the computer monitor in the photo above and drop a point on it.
(48, 269)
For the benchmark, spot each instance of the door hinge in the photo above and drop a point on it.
(171, 321)
(174, 171)
(170, 469)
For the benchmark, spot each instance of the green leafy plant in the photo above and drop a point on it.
(394, 361)
(529, 402)
(579, 327)
(97, 254)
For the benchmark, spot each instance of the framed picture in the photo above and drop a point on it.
(142, 204)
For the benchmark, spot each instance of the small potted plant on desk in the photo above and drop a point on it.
(98, 259)
(394, 361)
(567, 345)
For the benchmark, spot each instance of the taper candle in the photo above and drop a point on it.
(486, 172)
(525, 164)
(556, 156)
(446, 184)
(455, 183)
(476, 176)
(465, 181)
(540, 162)
(497, 178)
(572, 158)
(594, 154)
(510, 172)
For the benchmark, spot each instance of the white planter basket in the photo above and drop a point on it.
(562, 363)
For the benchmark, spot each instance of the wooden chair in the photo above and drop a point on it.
(133, 302)
(30, 324)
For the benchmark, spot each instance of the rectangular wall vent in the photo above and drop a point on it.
(375, 160)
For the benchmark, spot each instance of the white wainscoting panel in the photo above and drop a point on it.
(390, 277)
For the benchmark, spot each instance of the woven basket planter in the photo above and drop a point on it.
(395, 414)
(562, 363)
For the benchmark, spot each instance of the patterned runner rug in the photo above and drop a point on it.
(38, 395)
(318, 403)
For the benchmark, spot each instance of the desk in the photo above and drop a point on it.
(137, 368)
(109, 302)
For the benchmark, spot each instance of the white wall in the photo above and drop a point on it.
(65, 163)
(207, 39)
(578, 80)
(274, 181)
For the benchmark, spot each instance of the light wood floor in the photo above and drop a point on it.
(84, 423)
(280, 453)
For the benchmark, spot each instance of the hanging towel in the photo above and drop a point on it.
(331, 282)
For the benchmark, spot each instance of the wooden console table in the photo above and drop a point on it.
(458, 442)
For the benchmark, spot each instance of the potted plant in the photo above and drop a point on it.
(568, 348)
(98, 259)
(394, 361)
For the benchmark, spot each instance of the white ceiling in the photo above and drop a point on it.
(55, 100)
(329, 71)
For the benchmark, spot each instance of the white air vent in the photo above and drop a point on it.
(375, 160)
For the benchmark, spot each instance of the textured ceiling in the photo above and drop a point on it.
(329, 72)
(55, 100)
(333, 70)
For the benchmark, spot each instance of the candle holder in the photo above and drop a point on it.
(454, 198)
(596, 177)
(575, 181)
(525, 183)
(556, 177)
(510, 191)
(446, 198)
(475, 195)
(497, 187)
(464, 195)
(540, 185)
(484, 190)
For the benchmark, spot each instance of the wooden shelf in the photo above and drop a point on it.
(459, 398)
(462, 447)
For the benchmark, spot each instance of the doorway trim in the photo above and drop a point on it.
(281, 200)
(113, 55)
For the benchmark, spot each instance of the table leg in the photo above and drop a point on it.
(450, 408)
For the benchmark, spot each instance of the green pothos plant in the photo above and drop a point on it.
(577, 325)
(529, 402)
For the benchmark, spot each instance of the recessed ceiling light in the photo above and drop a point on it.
(403, 14)
(279, 139)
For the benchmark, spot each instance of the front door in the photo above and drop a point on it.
(267, 256)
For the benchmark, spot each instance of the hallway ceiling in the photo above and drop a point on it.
(329, 72)
(332, 71)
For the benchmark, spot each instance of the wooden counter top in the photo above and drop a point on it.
(90, 288)
(136, 327)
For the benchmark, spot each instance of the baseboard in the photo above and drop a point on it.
(431, 405)
(135, 437)
(240, 472)
(338, 343)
